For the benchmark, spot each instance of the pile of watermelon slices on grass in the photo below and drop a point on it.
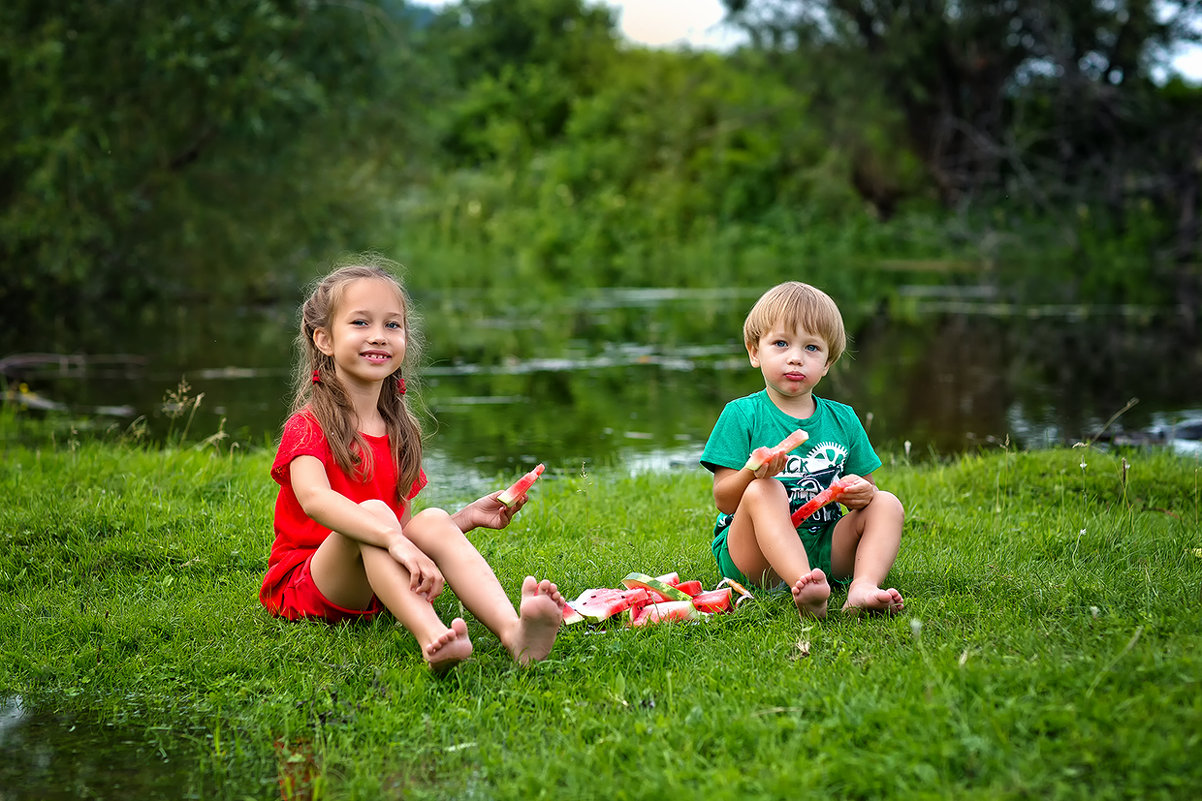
(644, 599)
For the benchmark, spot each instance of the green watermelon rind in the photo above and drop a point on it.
(653, 585)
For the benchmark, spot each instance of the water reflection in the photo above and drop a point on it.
(637, 377)
(53, 757)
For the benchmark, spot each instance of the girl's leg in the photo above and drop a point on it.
(765, 546)
(527, 633)
(348, 572)
(864, 546)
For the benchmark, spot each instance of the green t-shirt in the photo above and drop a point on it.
(838, 446)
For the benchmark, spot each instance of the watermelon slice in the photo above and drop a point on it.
(668, 610)
(602, 603)
(834, 492)
(761, 455)
(671, 579)
(690, 588)
(659, 590)
(714, 601)
(570, 615)
(516, 490)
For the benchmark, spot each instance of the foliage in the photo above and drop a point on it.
(177, 134)
(231, 148)
(1049, 646)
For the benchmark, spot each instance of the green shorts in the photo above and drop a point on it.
(817, 542)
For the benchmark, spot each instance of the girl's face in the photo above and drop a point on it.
(366, 337)
(793, 362)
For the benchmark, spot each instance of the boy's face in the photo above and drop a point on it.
(793, 362)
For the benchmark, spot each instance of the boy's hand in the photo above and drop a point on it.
(859, 494)
(772, 466)
(425, 579)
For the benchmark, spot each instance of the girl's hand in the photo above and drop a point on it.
(859, 494)
(772, 466)
(489, 512)
(424, 577)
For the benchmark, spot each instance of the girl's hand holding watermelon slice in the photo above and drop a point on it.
(487, 512)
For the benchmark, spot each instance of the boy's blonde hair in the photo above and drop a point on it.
(794, 305)
(318, 391)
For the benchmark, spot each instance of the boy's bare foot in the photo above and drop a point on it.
(868, 597)
(449, 648)
(539, 615)
(811, 593)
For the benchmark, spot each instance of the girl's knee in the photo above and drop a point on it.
(378, 508)
(434, 516)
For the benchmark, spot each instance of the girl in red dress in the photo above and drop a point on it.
(349, 464)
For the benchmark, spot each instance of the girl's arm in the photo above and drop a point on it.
(334, 510)
(729, 484)
(339, 513)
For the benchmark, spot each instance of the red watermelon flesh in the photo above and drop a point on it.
(671, 579)
(713, 601)
(519, 488)
(669, 610)
(600, 604)
(690, 588)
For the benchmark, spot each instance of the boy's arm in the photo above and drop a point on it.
(730, 484)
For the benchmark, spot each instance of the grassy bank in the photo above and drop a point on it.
(1050, 646)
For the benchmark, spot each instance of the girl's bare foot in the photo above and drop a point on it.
(449, 648)
(864, 595)
(539, 615)
(811, 593)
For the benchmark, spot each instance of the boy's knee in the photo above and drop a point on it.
(888, 503)
(766, 490)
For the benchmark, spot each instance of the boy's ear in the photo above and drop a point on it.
(322, 340)
(753, 353)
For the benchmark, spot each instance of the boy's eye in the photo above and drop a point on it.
(812, 348)
(780, 343)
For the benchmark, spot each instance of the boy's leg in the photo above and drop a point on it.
(864, 546)
(527, 633)
(764, 545)
(348, 573)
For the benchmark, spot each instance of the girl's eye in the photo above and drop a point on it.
(395, 324)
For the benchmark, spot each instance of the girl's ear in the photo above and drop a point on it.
(321, 340)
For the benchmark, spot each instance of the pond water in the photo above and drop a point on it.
(48, 756)
(637, 377)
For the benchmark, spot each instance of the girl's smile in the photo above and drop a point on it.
(366, 337)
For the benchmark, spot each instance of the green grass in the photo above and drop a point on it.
(1050, 648)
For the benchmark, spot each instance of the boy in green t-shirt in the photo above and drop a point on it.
(793, 334)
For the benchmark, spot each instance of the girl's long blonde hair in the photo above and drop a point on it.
(318, 390)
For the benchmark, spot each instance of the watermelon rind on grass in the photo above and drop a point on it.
(658, 589)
